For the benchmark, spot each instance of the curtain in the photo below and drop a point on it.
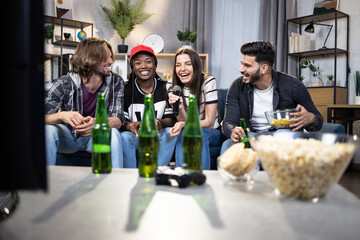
(272, 28)
(234, 23)
(198, 16)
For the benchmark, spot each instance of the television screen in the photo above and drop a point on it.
(23, 164)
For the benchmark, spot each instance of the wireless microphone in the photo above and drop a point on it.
(176, 91)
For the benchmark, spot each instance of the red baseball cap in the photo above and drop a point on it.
(141, 48)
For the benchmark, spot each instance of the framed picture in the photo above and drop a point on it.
(64, 9)
(325, 6)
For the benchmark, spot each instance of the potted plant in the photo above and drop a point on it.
(316, 79)
(48, 32)
(124, 16)
(187, 36)
(330, 79)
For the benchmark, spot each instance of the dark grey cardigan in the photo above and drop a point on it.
(288, 93)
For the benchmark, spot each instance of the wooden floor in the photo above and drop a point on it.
(351, 179)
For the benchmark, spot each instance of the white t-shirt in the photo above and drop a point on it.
(263, 101)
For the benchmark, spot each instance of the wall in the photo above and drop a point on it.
(167, 19)
(172, 12)
(352, 8)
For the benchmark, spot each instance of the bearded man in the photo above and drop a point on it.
(261, 89)
(70, 106)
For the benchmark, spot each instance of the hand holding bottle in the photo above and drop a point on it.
(238, 133)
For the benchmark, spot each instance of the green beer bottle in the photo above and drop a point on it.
(148, 140)
(192, 137)
(101, 131)
(246, 138)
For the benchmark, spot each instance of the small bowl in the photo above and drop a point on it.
(280, 119)
(248, 177)
(304, 165)
(238, 164)
(67, 36)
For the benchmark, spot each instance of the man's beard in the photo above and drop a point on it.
(255, 77)
(102, 73)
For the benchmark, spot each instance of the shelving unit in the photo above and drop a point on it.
(323, 96)
(62, 22)
(166, 59)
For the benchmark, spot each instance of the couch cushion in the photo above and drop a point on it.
(332, 128)
(75, 159)
(221, 102)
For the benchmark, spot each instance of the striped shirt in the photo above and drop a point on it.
(209, 95)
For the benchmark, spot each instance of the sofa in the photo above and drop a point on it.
(84, 158)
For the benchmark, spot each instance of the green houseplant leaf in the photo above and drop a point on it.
(187, 36)
(124, 16)
(357, 83)
(48, 32)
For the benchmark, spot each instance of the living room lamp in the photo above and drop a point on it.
(310, 29)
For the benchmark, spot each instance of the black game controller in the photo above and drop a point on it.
(178, 177)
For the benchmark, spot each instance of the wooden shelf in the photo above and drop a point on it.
(166, 58)
(328, 51)
(63, 22)
(332, 87)
(50, 55)
(66, 43)
(170, 56)
(329, 94)
(318, 17)
(158, 55)
(66, 22)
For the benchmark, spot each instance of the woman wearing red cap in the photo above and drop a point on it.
(188, 74)
(143, 79)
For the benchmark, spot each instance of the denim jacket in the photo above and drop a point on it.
(288, 93)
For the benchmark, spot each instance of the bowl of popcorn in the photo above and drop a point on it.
(304, 165)
(238, 163)
(280, 119)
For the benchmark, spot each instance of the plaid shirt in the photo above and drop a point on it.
(66, 95)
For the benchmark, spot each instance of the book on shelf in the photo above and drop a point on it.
(299, 43)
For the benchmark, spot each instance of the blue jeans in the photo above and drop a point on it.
(209, 137)
(130, 144)
(226, 145)
(59, 139)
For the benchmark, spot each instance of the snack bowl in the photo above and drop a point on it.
(280, 119)
(304, 165)
(238, 163)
